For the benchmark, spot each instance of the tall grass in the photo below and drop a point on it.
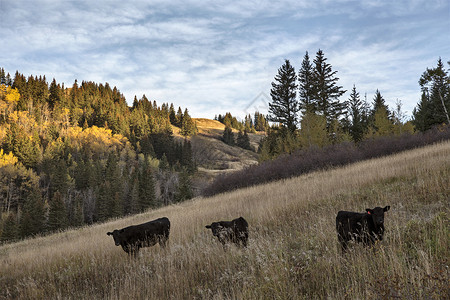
(293, 251)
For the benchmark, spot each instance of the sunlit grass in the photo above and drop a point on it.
(293, 250)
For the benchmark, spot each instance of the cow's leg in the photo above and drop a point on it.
(163, 241)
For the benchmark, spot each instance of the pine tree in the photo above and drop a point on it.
(184, 189)
(172, 115)
(326, 91)
(33, 215)
(356, 107)
(378, 103)
(10, 228)
(187, 125)
(187, 160)
(179, 117)
(147, 197)
(434, 107)
(243, 140)
(55, 95)
(57, 215)
(284, 106)
(306, 85)
(228, 136)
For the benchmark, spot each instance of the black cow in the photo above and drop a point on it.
(235, 231)
(366, 228)
(132, 238)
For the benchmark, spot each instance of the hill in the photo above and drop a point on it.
(213, 156)
(292, 253)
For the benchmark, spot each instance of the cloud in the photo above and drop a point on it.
(218, 57)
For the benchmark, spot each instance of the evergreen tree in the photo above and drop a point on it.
(184, 189)
(243, 140)
(228, 136)
(103, 203)
(306, 85)
(326, 91)
(378, 103)
(187, 125)
(434, 107)
(147, 197)
(179, 117)
(172, 115)
(55, 94)
(187, 160)
(33, 216)
(10, 228)
(57, 215)
(284, 106)
(356, 111)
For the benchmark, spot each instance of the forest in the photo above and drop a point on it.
(78, 155)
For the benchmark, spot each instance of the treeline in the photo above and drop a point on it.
(307, 109)
(249, 124)
(79, 155)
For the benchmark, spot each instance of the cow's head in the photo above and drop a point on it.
(377, 214)
(116, 236)
(215, 227)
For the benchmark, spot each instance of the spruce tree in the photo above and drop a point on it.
(57, 215)
(284, 106)
(355, 108)
(184, 189)
(434, 107)
(147, 197)
(243, 140)
(326, 91)
(306, 85)
(228, 136)
(10, 230)
(33, 215)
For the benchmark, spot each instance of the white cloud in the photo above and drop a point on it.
(219, 56)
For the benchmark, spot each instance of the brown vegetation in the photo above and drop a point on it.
(293, 250)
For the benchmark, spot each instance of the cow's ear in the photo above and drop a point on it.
(208, 226)
(386, 208)
(109, 233)
(369, 211)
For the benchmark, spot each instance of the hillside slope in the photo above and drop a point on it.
(293, 250)
(214, 157)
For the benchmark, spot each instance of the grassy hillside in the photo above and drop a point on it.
(214, 157)
(293, 251)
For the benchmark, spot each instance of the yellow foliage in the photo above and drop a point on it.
(7, 159)
(99, 139)
(12, 95)
(24, 120)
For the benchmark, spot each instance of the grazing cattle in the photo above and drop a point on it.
(235, 231)
(365, 228)
(132, 238)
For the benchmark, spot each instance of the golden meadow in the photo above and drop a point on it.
(293, 251)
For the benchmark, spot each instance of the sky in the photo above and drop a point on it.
(214, 57)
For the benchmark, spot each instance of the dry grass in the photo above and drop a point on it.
(293, 251)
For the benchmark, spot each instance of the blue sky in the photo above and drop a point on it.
(218, 56)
